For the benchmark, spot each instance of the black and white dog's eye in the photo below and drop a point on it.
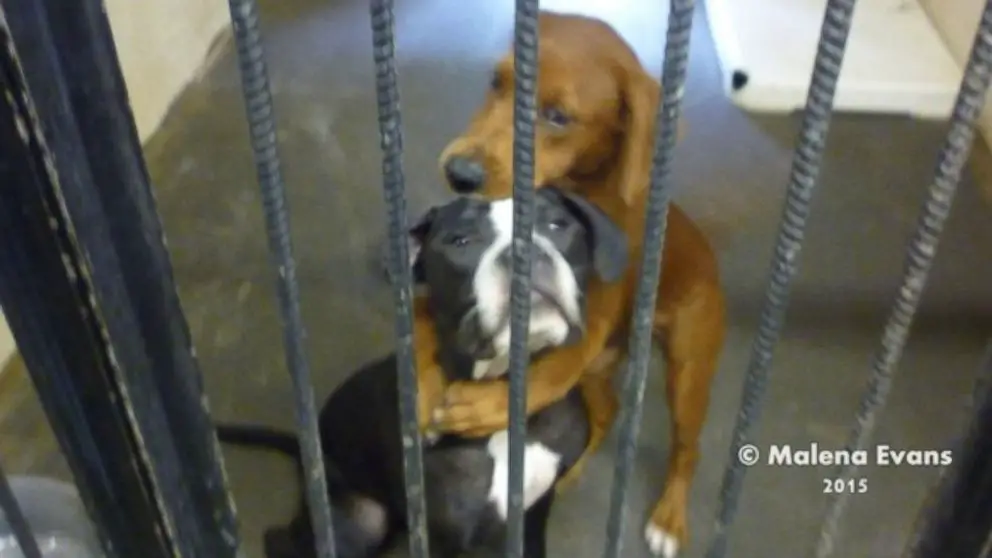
(557, 224)
(457, 240)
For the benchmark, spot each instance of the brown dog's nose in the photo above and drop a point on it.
(465, 174)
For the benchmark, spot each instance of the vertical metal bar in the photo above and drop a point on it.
(11, 508)
(673, 79)
(394, 193)
(957, 520)
(262, 125)
(919, 258)
(50, 300)
(525, 49)
(96, 191)
(803, 179)
(95, 89)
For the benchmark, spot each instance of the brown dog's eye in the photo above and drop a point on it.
(555, 117)
(496, 81)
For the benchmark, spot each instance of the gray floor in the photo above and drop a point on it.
(731, 173)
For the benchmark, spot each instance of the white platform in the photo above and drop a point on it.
(895, 61)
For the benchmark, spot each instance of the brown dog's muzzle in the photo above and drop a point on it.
(465, 174)
(478, 161)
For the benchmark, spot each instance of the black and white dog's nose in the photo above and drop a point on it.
(540, 261)
(465, 174)
(542, 267)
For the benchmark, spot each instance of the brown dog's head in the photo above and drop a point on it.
(595, 116)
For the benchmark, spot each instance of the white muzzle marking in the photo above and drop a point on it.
(491, 287)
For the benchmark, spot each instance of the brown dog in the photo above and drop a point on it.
(597, 108)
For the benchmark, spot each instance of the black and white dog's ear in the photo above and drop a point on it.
(609, 243)
(417, 236)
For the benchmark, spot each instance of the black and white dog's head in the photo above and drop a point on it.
(462, 251)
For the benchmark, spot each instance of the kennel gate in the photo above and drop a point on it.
(86, 285)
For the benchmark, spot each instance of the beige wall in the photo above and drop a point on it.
(161, 44)
(6, 343)
(957, 21)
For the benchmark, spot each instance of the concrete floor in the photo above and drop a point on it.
(731, 173)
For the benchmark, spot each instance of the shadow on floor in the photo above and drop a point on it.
(731, 173)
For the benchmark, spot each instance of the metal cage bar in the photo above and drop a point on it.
(525, 43)
(394, 193)
(673, 80)
(94, 86)
(45, 304)
(262, 127)
(803, 179)
(56, 335)
(957, 519)
(919, 259)
(158, 473)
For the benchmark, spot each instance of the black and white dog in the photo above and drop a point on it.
(462, 255)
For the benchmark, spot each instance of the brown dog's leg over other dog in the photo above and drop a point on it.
(477, 409)
(601, 400)
(431, 382)
(693, 340)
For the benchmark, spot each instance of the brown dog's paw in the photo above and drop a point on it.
(473, 409)
(666, 532)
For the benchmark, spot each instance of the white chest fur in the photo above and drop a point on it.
(540, 471)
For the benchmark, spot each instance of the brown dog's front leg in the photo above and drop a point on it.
(693, 344)
(478, 409)
(430, 376)
(601, 401)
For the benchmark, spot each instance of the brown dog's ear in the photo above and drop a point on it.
(640, 102)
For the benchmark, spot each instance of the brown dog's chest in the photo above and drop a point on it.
(685, 250)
